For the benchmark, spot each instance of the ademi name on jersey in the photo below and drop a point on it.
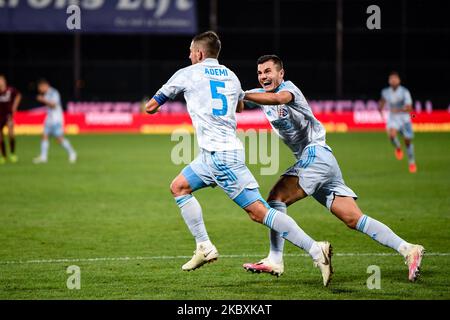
(216, 72)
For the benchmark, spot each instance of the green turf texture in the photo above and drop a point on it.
(115, 203)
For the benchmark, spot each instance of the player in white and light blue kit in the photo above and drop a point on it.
(399, 102)
(213, 95)
(54, 122)
(316, 172)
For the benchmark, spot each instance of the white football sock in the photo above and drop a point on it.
(381, 233)
(395, 142)
(67, 146)
(44, 149)
(410, 152)
(276, 241)
(192, 215)
(288, 229)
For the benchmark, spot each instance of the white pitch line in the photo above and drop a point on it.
(348, 254)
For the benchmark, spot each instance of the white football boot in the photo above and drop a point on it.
(265, 266)
(413, 259)
(201, 256)
(73, 157)
(324, 263)
(39, 160)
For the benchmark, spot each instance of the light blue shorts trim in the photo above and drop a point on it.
(225, 169)
(401, 123)
(249, 196)
(319, 175)
(54, 129)
(195, 182)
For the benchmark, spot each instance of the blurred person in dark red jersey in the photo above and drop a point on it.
(9, 102)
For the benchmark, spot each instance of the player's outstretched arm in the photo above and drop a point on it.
(48, 103)
(408, 108)
(240, 106)
(381, 104)
(269, 98)
(156, 102)
(17, 102)
(152, 106)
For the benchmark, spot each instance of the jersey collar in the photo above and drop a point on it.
(210, 61)
(281, 86)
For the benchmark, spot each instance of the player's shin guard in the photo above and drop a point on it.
(379, 232)
(193, 217)
(410, 152)
(276, 240)
(289, 230)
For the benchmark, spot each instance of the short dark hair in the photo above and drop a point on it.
(271, 57)
(394, 73)
(42, 80)
(211, 43)
(2, 76)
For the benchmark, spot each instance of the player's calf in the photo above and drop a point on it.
(346, 210)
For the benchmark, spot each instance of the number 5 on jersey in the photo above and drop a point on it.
(216, 95)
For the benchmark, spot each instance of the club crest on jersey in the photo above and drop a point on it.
(282, 112)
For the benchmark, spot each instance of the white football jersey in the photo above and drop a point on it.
(294, 122)
(212, 92)
(54, 115)
(396, 99)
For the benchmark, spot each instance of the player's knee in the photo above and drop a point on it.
(256, 211)
(174, 188)
(351, 221)
(275, 195)
(177, 188)
(255, 216)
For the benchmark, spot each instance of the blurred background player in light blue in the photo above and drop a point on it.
(9, 102)
(399, 102)
(54, 122)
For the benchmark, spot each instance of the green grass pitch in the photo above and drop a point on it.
(112, 215)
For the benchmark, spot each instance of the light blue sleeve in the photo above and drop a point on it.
(289, 87)
(176, 84)
(408, 99)
(384, 94)
(237, 84)
(256, 90)
(241, 95)
(54, 97)
(251, 104)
